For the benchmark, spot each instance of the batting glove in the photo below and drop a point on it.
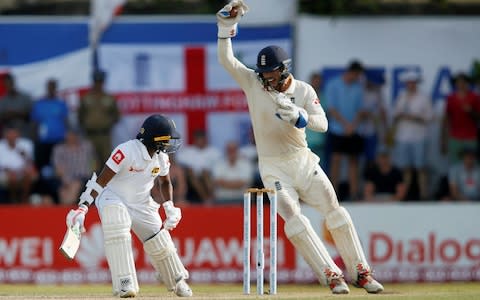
(227, 20)
(173, 215)
(77, 216)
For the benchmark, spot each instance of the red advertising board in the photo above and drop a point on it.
(209, 241)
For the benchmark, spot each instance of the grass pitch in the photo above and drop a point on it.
(451, 291)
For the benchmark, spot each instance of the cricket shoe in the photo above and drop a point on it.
(365, 280)
(182, 289)
(127, 294)
(336, 283)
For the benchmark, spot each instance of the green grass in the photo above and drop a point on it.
(392, 291)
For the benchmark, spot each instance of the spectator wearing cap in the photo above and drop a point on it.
(462, 112)
(383, 181)
(412, 114)
(464, 177)
(97, 115)
(344, 96)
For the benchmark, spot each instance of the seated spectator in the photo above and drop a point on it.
(179, 182)
(464, 177)
(74, 162)
(198, 160)
(232, 176)
(17, 171)
(383, 181)
(249, 152)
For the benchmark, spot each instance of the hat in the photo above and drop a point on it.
(410, 75)
(461, 75)
(468, 150)
(99, 75)
(355, 65)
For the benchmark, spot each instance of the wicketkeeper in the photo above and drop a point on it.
(128, 192)
(281, 107)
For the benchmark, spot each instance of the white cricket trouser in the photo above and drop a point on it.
(146, 221)
(302, 178)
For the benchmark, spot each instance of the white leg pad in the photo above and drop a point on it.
(300, 232)
(164, 258)
(340, 225)
(116, 224)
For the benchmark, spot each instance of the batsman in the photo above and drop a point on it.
(128, 193)
(280, 108)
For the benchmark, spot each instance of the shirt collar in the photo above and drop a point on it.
(144, 150)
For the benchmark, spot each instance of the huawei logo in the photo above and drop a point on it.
(91, 253)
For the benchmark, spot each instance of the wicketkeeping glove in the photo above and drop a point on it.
(77, 216)
(227, 23)
(173, 215)
(293, 114)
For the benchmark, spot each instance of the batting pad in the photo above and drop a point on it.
(164, 258)
(116, 224)
(340, 225)
(300, 232)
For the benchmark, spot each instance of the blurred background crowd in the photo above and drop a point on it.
(375, 150)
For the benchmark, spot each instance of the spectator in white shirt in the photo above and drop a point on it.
(17, 171)
(232, 176)
(412, 115)
(198, 160)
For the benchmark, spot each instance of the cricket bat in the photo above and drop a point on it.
(71, 241)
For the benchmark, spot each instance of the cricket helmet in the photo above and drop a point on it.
(159, 133)
(272, 58)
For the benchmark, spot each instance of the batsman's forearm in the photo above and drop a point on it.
(166, 189)
(318, 123)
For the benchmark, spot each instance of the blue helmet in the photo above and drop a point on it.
(272, 58)
(159, 133)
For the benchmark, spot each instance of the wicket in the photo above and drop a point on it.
(260, 258)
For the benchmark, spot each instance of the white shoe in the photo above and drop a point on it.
(182, 289)
(337, 283)
(365, 280)
(127, 294)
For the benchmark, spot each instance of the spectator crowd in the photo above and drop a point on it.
(376, 150)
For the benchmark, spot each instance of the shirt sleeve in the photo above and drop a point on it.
(164, 164)
(236, 68)
(119, 158)
(317, 119)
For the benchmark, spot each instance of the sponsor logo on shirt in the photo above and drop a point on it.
(118, 156)
(155, 171)
(132, 169)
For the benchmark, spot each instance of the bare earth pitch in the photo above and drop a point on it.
(455, 291)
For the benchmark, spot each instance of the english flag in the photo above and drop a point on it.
(102, 13)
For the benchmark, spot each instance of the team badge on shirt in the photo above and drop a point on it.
(155, 171)
(118, 156)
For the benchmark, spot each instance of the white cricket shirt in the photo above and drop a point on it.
(273, 137)
(135, 170)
